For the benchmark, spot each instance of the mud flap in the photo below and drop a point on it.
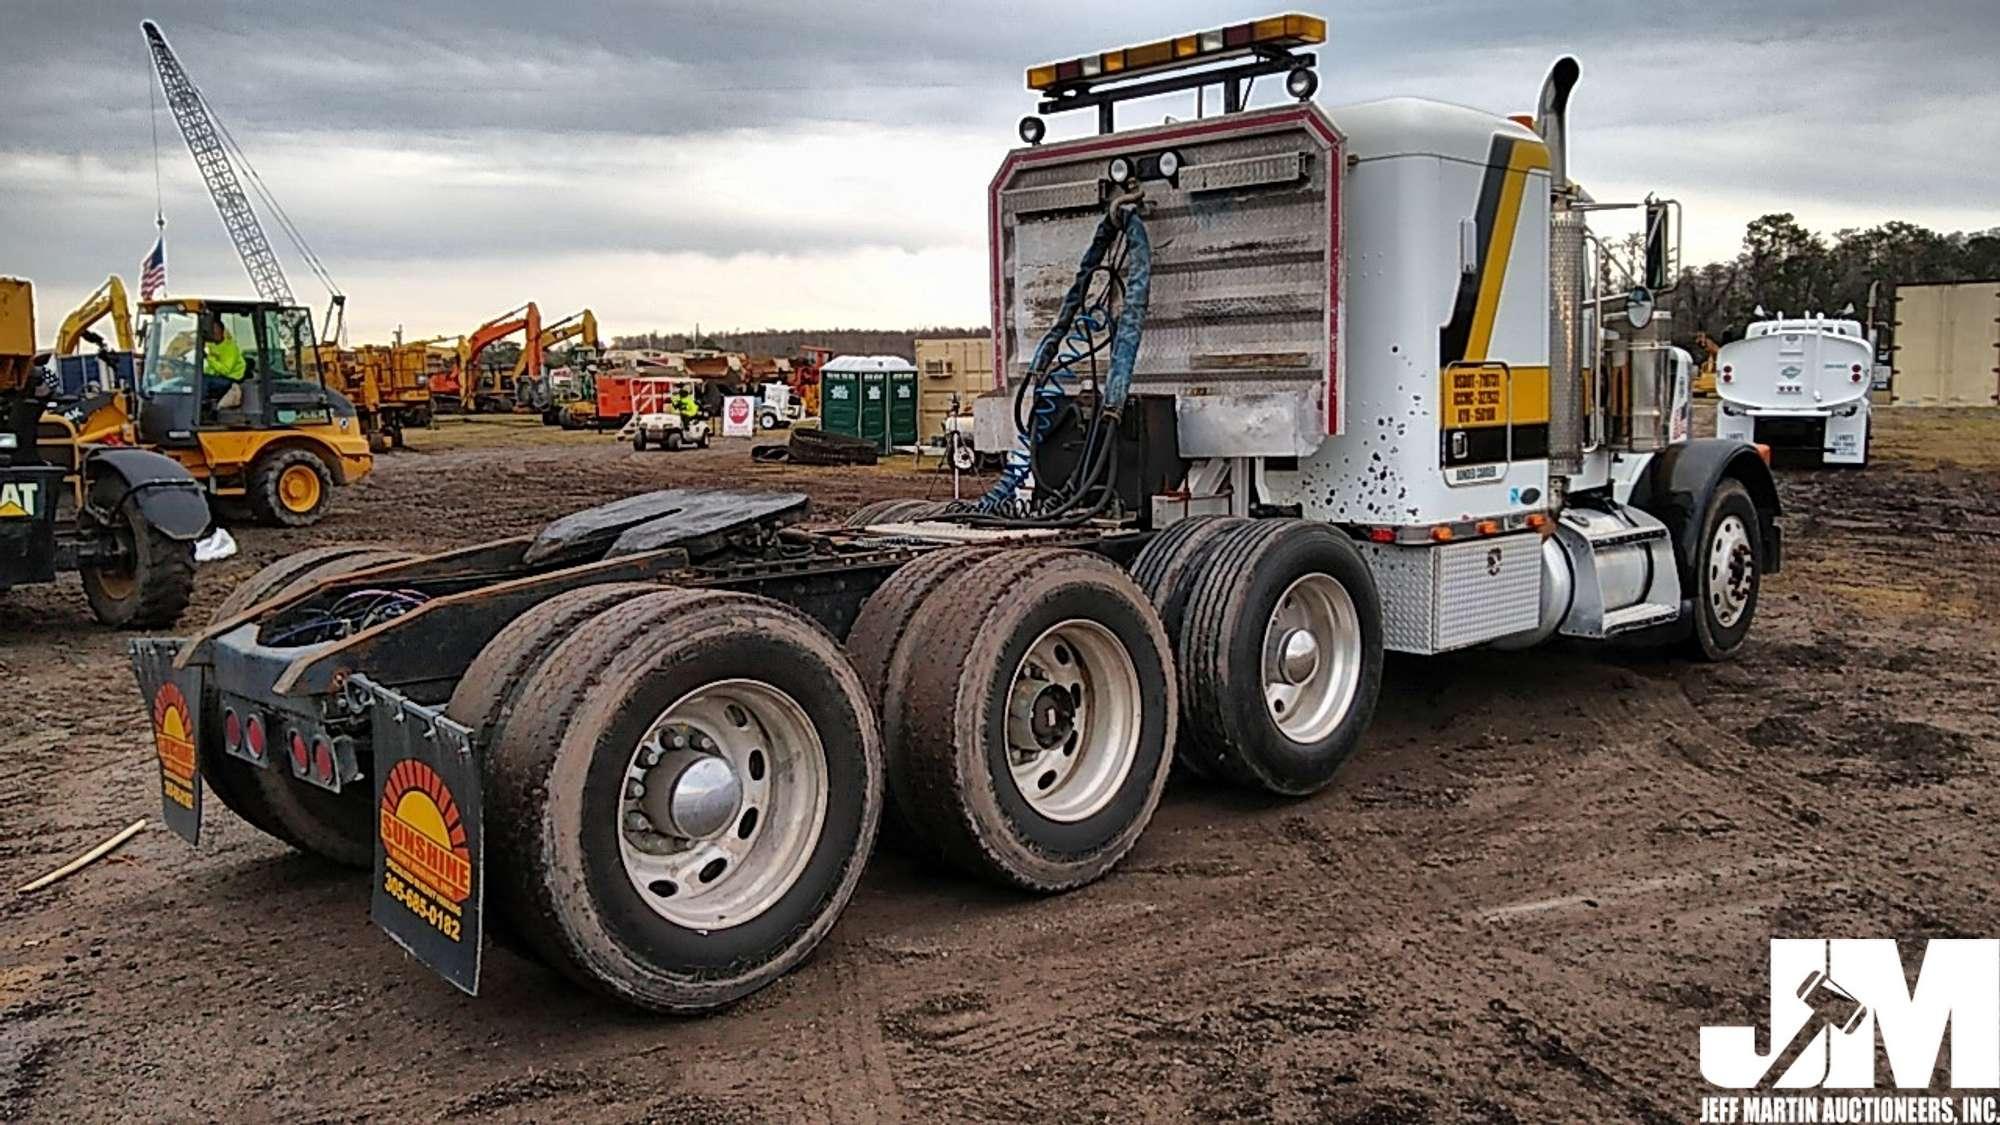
(173, 699)
(430, 869)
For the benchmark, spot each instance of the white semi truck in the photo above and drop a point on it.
(1799, 383)
(1295, 387)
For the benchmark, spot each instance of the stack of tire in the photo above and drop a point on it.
(809, 446)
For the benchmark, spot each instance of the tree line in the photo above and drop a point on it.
(790, 342)
(1783, 267)
(1787, 268)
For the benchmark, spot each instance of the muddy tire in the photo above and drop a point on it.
(881, 645)
(867, 513)
(338, 827)
(485, 695)
(638, 441)
(290, 488)
(894, 510)
(1727, 574)
(153, 588)
(706, 910)
(1166, 570)
(1280, 655)
(1034, 747)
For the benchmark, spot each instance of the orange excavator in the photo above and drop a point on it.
(477, 390)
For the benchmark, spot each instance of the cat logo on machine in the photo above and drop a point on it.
(20, 500)
(429, 865)
(173, 740)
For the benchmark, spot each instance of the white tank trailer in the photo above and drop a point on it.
(1799, 383)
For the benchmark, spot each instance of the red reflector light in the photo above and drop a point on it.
(323, 759)
(1239, 36)
(253, 737)
(1382, 535)
(299, 758)
(232, 729)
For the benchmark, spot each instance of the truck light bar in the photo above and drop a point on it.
(1272, 33)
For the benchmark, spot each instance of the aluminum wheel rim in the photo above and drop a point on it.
(1732, 571)
(1311, 658)
(773, 751)
(1073, 721)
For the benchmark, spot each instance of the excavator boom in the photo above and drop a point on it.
(109, 300)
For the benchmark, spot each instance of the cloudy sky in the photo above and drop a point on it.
(754, 163)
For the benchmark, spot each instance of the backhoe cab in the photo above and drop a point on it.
(234, 391)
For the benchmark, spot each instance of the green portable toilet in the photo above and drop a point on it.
(873, 397)
(875, 409)
(840, 401)
(903, 407)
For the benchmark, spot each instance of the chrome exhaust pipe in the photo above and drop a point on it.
(1552, 119)
(1567, 265)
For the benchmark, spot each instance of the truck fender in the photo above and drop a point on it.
(168, 496)
(1676, 484)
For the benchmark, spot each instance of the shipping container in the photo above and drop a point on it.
(947, 369)
(1947, 344)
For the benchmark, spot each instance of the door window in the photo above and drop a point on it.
(289, 345)
(173, 354)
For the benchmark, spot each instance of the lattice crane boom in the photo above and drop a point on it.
(205, 141)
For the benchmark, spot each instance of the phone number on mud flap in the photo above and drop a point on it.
(421, 905)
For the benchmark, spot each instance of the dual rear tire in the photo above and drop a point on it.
(1031, 750)
(682, 788)
(1277, 631)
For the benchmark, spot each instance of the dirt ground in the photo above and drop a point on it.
(1521, 901)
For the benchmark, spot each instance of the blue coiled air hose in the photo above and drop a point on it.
(1073, 338)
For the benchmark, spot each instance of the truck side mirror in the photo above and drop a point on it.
(1662, 242)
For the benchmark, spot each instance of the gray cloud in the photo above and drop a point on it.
(1849, 107)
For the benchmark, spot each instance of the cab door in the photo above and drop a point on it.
(170, 384)
(295, 392)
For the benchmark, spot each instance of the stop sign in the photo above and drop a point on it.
(738, 410)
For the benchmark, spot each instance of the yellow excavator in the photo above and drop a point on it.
(558, 387)
(1704, 376)
(108, 300)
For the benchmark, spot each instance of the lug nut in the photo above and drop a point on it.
(677, 741)
(635, 821)
(650, 757)
(634, 790)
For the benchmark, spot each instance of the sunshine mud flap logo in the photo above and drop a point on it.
(173, 698)
(428, 855)
(1841, 1007)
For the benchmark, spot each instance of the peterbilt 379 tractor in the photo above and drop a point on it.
(1290, 387)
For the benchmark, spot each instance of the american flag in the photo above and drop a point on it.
(153, 271)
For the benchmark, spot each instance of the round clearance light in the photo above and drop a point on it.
(1032, 129)
(1120, 170)
(1170, 163)
(1302, 83)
